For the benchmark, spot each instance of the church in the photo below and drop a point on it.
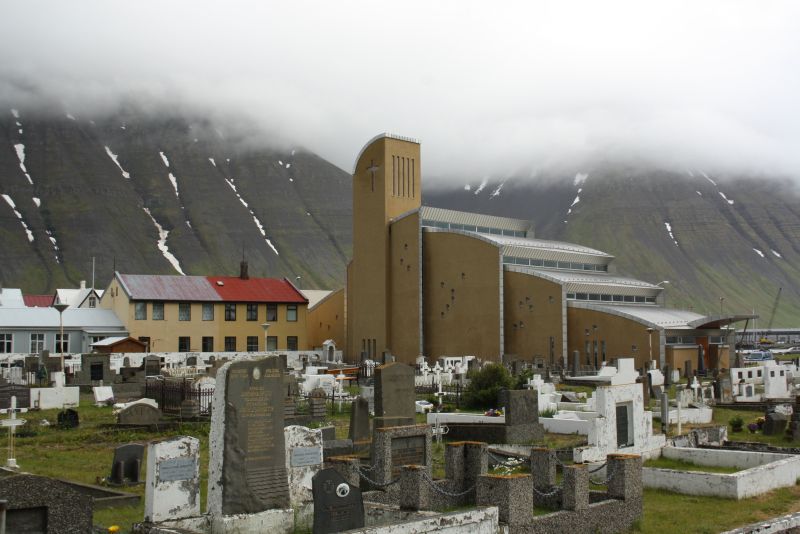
(432, 282)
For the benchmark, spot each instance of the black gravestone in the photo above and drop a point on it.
(127, 464)
(775, 424)
(45, 505)
(68, 419)
(22, 393)
(254, 475)
(338, 506)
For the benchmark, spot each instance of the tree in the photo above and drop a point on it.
(485, 385)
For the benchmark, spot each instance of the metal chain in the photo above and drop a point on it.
(606, 481)
(598, 468)
(546, 494)
(427, 478)
(378, 484)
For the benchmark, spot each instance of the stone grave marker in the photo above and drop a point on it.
(303, 460)
(247, 471)
(394, 395)
(318, 403)
(521, 415)
(103, 395)
(22, 393)
(775, 424)
(338, 506)
(68, 419)
(394, 447)
(359, 420)
(172, 490)
(152, 365)
(126, 464)
(139, 414)
(44, 505)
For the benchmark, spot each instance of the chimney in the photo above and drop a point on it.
(83, 284)
(243, 271)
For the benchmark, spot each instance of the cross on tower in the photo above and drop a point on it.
(372, 169)
(12, 423)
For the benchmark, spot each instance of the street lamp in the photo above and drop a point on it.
(61, 307)
(721, 300)
(650, 341)
(265, 326)
(594, 330)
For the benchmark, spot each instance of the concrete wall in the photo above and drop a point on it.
(462, 288)
(532, 315)
(779, 471)
(49, 398)
(405, 284)
(326, 321)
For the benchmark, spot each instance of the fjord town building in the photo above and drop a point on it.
(435, 282)
(209, 313)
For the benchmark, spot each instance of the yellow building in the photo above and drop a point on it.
(325, 317)
(435, 282)
(210, 313)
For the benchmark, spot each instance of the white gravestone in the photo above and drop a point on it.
(173, 479)
(303, 460)
(102, 395)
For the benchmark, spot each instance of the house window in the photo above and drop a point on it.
(252, 343)
(37, 343)
(230, 312)
(158, 311)
(291, 312)
(208, 344)
(272, 342)
(291, 343)
(92, 301)
(252, 312)
(184, 311)
(183, 344)
(208, 311)
(272, 312)
(5, 343)
(146, 341)
(62, 344)
(230, 343)
(140, 311)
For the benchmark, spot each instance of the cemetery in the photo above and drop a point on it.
(278, 443)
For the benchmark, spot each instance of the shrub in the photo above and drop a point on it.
(485, 385)
(550, 412)
(736, 423)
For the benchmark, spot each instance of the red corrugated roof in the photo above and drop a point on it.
(38, 301)
(255, 289)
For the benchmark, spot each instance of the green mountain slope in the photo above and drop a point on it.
(88, 208)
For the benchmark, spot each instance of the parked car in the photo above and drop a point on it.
(759, 356)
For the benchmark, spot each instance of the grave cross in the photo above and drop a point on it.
(12, 423)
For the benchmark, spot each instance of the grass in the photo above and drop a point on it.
(682, 465)
(665, 511)
(723, 415)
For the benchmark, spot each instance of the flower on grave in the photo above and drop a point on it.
(752, 427)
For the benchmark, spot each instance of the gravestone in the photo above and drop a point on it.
(667, 376)
(303, 460)
(126, 464)
(318, 403)
(521, 415)
(172, 490)
(247, 471)
(394, 447)
(394, 395)
(794, 425)
(687, 368)
(359, 420)
(22, 393)
(139, 414)
(152, 365)
(338, 506)
(44, 505)
(775, 424)
(103, 395)
(68, 419)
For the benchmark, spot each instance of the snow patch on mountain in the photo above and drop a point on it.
(164, 159)
(214, 163)
(759, 252)
(252, 214)
(113, 157)
(20, 148)
(10, 202)
(776, 253)
(482, 185)
(162, 243)
(580, 178)
(37, 201)
(668, 226)
(725, 198)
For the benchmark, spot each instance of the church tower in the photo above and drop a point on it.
(386, 184)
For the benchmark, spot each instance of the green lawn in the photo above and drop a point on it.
(682, 465)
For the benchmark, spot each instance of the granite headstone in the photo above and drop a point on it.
(394, 395)
(139, 414)
(338, 506)
(126, 464)
(359, 420)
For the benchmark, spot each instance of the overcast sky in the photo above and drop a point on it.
(488, 87)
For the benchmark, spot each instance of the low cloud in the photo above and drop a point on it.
(489, 89)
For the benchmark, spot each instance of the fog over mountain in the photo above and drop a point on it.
(518, 89)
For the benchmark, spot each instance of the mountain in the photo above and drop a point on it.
(150, 193)
(711, 236)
